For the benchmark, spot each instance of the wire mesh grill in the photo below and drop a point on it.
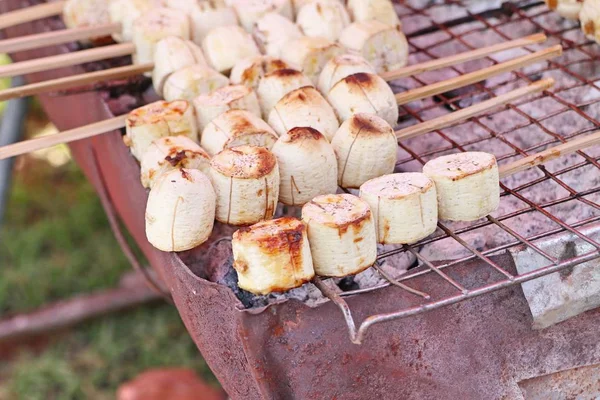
(560, 197)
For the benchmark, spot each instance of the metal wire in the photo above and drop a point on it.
(454, 32)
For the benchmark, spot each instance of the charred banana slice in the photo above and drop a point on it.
(81, 13)
(210, 106)
(251, 11)
(324, 18)
(226, 45)
(272, 31)
(380, 10)
(250, 71)
(274, 86)
(340, 67)
(310, 54)
(189, 82)
(125, 12)
(566, 8)
(171, 54)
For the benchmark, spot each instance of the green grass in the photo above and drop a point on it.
(55, 243)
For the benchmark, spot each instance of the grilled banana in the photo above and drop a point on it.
(340, 67)
(324, 18)
(171, 54)
(590, 19)
(157, 120)
(246, 181)
(206, 17)
(380, 10)
(210, 106)
(298, 4)
(310, 54)
(467, 185)
(189, 82)
(365, 146)
(272, 31)
(251, 11)
(225, 45)
(124, 12)
(250, 71)
(168, 153)
(404, 207)
(275, 85)
(364, 93)
(307, 166)
(566, 8)
(304, 107)
(81, 13)
(384, 46)
(341, 234)
(272, 256)
(235, 128)
(181, 210)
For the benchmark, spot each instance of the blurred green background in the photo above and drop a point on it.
(56, 242)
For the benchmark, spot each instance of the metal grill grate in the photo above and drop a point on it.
(575, 100)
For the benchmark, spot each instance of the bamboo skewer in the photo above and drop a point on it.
(52, 38)
(65, 60)
(476, 76)
(460, 58)
(31, 14)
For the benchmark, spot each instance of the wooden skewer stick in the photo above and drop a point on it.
(72, 135)
(459, 58)
(550, 154)
(446, 121)
(73, 81)
(31, 14)
(66, 60)
(476, 76)
(52, 38)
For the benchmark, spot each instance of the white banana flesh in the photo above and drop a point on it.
(365, 146)
(181, 210)
(310, 54)
(251, 11)
(155, 25)
(171, 54)
(589, 15)
(380, 10)
(364, 93)
(125, 12)
(340, 67)
(341, 234)
(210, 106)
(206, 17)
(272, 256)
(324, 18)
(246, 181)
(172, 152)
(307, 166)
(384, 46)
(192, 81)
(404, 207)
(275, 85)
(250, 71)
(226, 45)
(304, 107)
(82, 13)
(272, 31)
(156, 120)
(298, 4)
(236, 128)
(566, 8)
(468, 185)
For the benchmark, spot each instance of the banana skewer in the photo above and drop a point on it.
(210, 106)
(251, 71)
(323, 18)
(273, 31)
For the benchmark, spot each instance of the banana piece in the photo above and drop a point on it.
(404, 207)
(210, 106)
(341, 234)
(364, 93)
(272, 31)
(365, 146)
(125, 12)
(82, 13)
(307, 166)
(310, 54)
(246, 181)
(304, 107)
(275, 85)
(272, 256)
(206, 17)
(380, 10)
(590, 19)
(467, 185)
(324, 18)
(250, 11)
(566, 8)
(157, 120)
(384, 46)
(250, 71)
(181, 210)
(155, 25)
(340, 67)
(168, 153)
(189, 82)
(225, 45)
(171, 54)
(298, 4)
(235, 128)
